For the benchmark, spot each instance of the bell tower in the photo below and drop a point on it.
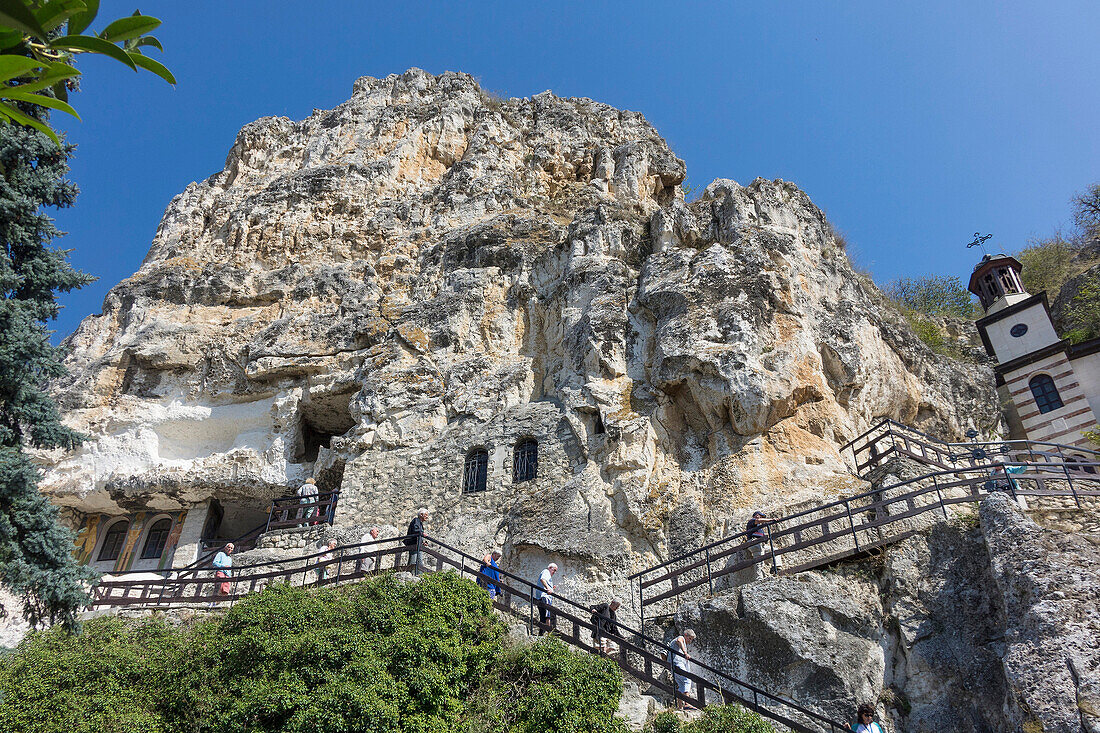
(1037, 371)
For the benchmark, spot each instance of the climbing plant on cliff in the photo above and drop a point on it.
(36, 560)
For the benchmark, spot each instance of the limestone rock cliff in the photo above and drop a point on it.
(367, 295)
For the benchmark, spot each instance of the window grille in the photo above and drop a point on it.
(1046, 394)
(525, 460)
(475, 471)
(156, 540)
(112, 542)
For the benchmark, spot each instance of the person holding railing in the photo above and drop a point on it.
(307, 494)
(223, 564)
(754, 530)
(367, 564)
(544, 599)
(415, 537)
(324, 560)
(680, 659)
(605, 625)
(489, 574)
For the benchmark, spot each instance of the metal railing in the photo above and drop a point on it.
(639, 655)
(856, 524)
(293, 511)
(890, 437)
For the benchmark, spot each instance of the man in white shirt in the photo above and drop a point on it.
(544, 598)
(367, 564)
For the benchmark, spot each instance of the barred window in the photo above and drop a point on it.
(156, 539)
(112, 541)
(475, 471)
(525, 460)
(1046, 394)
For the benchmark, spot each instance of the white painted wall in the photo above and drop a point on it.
(1040, 333)
(1087, 369)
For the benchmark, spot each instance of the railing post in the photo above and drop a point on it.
(1069, 479)
(939, 495)
(852, 523)
(710, 582)
(771, 546)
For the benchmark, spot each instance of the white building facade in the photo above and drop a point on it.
(1050, 387)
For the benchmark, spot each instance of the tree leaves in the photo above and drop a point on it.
(80, 21)
(154, 66)
(124, 29)
(17, 14)
(94, 44)
(35, 62)
(13, 66)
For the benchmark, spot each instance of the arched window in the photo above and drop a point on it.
(113, 540)
(525, 460)
(1046, 394)
(475, 471)
(156, 539)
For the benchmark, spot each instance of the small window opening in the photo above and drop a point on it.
(525, 460)
(156, 540)
(112, 542)
(1081, 460)
(1045, 393)
(600, 429)
(475, 471)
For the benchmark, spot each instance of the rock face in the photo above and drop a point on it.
(964, 628)
(1050, 585)
(375, 293)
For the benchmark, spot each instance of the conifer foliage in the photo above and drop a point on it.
(36, 560)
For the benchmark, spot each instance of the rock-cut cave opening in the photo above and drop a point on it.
(319, 420)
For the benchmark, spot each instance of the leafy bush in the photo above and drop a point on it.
(1047, 264)
(715, 719)
(377, 656)
(932, 295)
(544, 686)
(1083, 313)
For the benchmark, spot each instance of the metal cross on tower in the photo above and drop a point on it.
(979, 241)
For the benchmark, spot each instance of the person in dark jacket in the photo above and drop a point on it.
(605, 625)
(412, 541)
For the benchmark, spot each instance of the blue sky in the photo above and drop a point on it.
(912, 125)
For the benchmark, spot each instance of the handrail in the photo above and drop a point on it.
(950, 450)
(652, 652)
(848, 499)
(879, 498)
(322, 509)
(636, 636)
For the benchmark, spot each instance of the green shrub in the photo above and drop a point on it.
(377, 656)
(932, 295)
(1047, 264)
(1083, 313)
(545, 686)
(715, 719)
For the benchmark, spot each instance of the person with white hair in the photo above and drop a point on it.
(414, 538)
(544, 598)
(324, 562)
(680, 659)
(367, 564)
(223, 569)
